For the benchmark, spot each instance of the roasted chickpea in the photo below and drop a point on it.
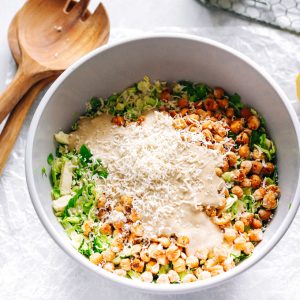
(225, 166)
(179, 123)
(106, 229)
(246, 183)
(183, 103)
(269, 200)
(247, 218)
(101, 201)
(268, 169)
(218, 92)
(137, 265)
(210, 104)
(242, 138)
(246, 113)
(184, 111)
(253, 123)
(255, 235)
(207, 133)
(255, 181)
(246, 166)
(244, 151)
(219, 172)
(172, 113)
(259, 193)
(238, 191)
(140, 120)
(274, 188)
(231, 158)
(264, 214)
(223, 103)
(256, 167)
(257, 155)
(118, 120)
(256, 224)
(237, 126)
(239, 226)
(239, 175)
(229, 112)
(165, 95)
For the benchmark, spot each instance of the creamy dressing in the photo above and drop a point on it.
(170, 180)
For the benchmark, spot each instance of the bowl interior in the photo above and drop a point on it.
(164, 58)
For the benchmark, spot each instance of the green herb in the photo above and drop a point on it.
(85, 153)
(50, 159)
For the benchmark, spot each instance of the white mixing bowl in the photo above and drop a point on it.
(167, 57)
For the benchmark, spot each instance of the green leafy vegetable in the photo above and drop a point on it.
(85, 249)
(269, 181)
(72, 202)
(266, 146)
(56, 171)
(85, 153)
(164, 269)
(56, 192)
(101, 243)
(249, 203)
(133, 274)
(235, 102)
(255, 137)
(233, 209)
(227, 176)
(195, 92)
(239, 258)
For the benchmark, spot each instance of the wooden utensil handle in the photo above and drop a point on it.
(16, 119)
(22, 82)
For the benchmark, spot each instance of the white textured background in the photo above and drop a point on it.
(32, 266)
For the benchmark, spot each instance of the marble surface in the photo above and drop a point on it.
(34, 267)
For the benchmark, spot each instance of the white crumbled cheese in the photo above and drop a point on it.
(61, 203)
(62, 138)
(66, 178)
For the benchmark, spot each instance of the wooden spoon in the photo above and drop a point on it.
(51, 38)
(17, 117)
